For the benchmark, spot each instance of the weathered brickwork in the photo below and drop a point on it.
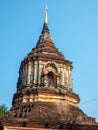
(44, 98)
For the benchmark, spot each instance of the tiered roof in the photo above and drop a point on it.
(45, 48)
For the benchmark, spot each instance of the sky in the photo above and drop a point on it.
(73, 27)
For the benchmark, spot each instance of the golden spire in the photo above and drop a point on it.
(46, 17)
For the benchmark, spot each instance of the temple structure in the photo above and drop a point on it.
(44, 98)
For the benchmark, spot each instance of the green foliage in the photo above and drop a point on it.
(3, 110)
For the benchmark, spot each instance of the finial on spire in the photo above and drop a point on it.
(45, 26)
(46, 18)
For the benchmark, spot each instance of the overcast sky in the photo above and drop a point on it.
(73, 26)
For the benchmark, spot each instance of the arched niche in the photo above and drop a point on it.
(50, 73)
(51, 79)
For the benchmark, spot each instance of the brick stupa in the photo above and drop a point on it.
(44, 98)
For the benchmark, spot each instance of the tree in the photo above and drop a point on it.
(3, 110)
